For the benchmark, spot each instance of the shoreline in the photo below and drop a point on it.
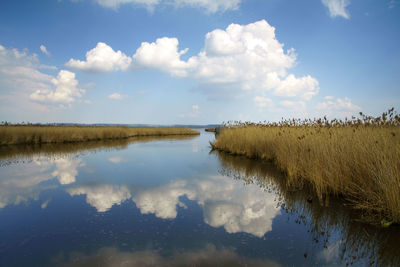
(26, 134)
(356, 162)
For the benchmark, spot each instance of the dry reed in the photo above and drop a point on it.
(26, 134)
(357, 159)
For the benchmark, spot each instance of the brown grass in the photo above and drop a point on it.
(358, 159)
(22, 134)
(359, 242)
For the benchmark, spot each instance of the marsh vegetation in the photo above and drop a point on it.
(356, 159)
(357, 243)
(28, 134)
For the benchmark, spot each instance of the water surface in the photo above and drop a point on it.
(170, 202)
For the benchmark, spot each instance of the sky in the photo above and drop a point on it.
(197, 61)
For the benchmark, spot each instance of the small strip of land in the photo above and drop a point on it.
(25, 134)
(358, 160)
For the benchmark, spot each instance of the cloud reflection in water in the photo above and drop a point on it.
(102, 197)
(23, 182)
(225, 202)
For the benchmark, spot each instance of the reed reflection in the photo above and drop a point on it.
(15, 153)
(333, 224)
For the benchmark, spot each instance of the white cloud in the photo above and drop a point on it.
(337, 8)
(225, 202)
(241, 57)
(116, 96)
(245, 56)
(102, 58)
(304, 87)
(102, 197)
(211, 6)
(66, 170)
(19, 69)
(341, 107)
(248, 56)
(162, 200)
(21, 77)
(161, 55)
(65, 90)
(44, 50)
(262, 102)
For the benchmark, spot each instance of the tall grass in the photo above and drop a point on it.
(357, 159)
(26, 134)
(358, 242)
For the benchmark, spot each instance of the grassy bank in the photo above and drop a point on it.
(357, 159)
(22, 152)
(10, 135)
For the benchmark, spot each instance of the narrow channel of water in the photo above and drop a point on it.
(170, 202)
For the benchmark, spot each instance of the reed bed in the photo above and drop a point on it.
(26, 134)
(357, 159)
(359, 243)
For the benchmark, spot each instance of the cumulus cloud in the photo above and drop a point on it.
(102, 58)
(225, 203)
(44, 50)
(161, 55)
(305, 87)
(211, 6)
(21, 73)
(241, 57)
(162, 200)
(66, 170)
(337, 8)
(65, 91)
(102, 197)
(116, 96)
(337, 106)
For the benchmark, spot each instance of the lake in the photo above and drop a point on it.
(171, 202)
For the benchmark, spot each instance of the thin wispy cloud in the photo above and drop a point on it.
(44, 50)
(116, 96)
(337, 8)
(209, 6)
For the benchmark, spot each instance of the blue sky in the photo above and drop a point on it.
(197, 61)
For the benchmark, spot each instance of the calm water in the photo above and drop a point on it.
(170, 202)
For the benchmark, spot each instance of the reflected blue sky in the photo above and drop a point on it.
(162, 201)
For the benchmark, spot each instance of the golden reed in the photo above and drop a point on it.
(358, 159)
(26, 134)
